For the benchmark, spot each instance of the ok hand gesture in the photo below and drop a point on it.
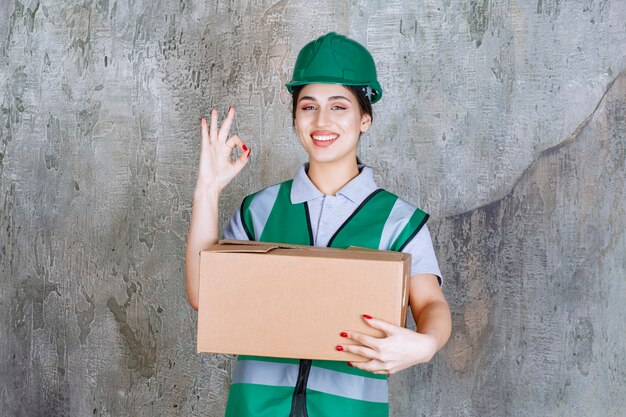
(216, 167)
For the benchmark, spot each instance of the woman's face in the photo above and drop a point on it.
(328, 121)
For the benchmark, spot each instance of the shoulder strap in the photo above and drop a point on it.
(364, 227)
(383, 221)
(246, 216)
(413, 226)
(269, 216)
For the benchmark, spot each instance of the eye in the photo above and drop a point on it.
(308, 107)
(338, 107)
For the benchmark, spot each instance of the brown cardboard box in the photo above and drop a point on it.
(293, 301)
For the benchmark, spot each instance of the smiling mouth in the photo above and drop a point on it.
(324, 140)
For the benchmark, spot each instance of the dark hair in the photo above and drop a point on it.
(364, 103)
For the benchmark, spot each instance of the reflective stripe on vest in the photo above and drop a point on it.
(320, 379)
(261, 207)
(264, 386)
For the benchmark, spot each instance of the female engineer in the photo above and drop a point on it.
(332, 201)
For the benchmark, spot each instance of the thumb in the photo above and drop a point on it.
(240, 162)
(379, 324)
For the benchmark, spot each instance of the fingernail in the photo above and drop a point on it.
(244, 147)
(339, 348)
(202, 120)
(344, 334)
(230, 108)
(249, 152)
(350, 364)
(367, 316)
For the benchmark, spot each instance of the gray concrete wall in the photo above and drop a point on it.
(504, 120)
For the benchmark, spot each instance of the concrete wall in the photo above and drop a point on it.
(504, 120)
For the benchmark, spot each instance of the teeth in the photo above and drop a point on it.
(325, 138)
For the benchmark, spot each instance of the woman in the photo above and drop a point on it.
(332, 201)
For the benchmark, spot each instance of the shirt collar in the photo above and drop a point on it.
(356, 190)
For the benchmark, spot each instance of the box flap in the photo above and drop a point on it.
(242, 248)
(360, 248)
(251, 244)
(272, 245)
(399, 255)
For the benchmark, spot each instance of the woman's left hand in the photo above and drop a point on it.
(401, 348)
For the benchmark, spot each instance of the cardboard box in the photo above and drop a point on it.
(290, 301)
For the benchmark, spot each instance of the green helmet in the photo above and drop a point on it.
(336, 59)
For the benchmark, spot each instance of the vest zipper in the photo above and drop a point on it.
(298, 401)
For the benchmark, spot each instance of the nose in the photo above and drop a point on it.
(323, 117)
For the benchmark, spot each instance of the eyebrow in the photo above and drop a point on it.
(330, 98)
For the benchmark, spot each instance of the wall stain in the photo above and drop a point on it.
(102, 7)
(142, 354)
(33, 292)
(54, 138)
(474, 319)
(29, 17)
(15, 90)
(478, 20)
(582, 345)
(67, 92)
(18, 12)
(80, 34)
(87, 119)
(85, 317)
(551, 8)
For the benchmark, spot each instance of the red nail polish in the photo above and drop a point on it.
(344, 334)
(350, 364)
(249, 152)
(339, 348)
(244, 147)
(367, 316)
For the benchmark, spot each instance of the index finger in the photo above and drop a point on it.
(379, 324)
(364, 339)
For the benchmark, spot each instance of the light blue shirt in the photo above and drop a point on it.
(329, 212)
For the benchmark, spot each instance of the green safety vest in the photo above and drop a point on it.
(274, 387)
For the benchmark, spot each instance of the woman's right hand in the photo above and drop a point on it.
(215, 172)
(216, 167)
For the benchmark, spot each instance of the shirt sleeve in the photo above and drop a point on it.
(423, 259)
(234, 228)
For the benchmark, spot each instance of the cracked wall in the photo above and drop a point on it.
(504, 120)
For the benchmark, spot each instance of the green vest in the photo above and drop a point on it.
(273, 387)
